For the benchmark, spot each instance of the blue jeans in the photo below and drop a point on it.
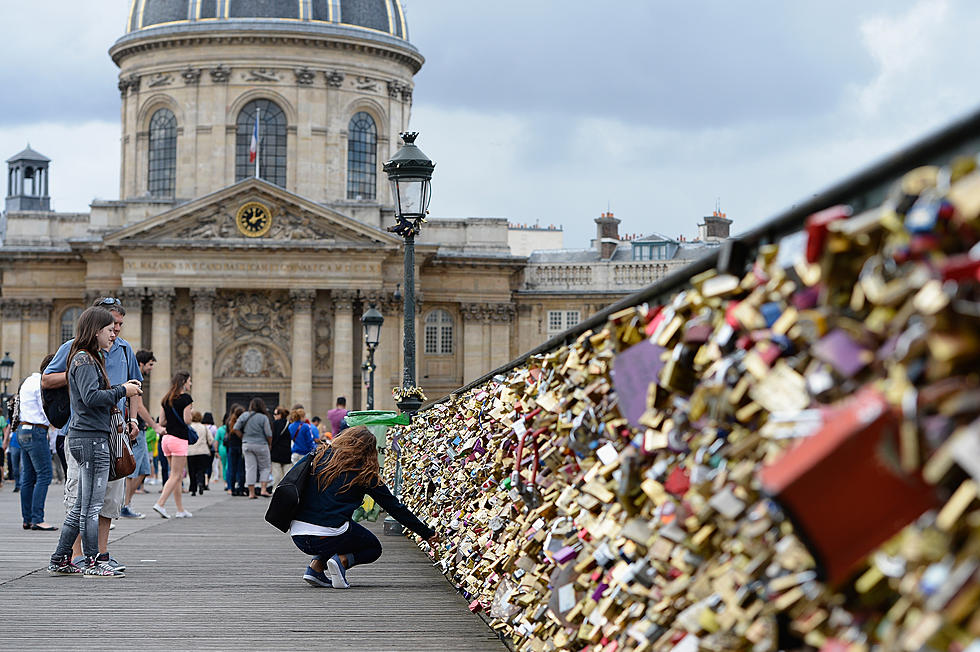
(35, 471)
(358, 543)
(13, 458)
(236, 470)
(92, 455)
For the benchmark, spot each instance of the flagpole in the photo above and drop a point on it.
(257, 141)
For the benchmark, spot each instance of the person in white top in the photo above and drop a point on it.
(35, 465)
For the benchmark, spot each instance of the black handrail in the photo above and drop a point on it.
(861, 190)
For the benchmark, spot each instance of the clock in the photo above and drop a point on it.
(254, 219)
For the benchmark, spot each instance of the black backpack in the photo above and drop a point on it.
(57, 405)
(285, 499)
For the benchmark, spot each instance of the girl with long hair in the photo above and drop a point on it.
(177, 410)
(92, 398)
(233, 444)
(256, 430)
(341, 473)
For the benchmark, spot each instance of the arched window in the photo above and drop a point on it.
(68, 319)
(162, 170)
(362, 157)
(271, 142)
(439, 333)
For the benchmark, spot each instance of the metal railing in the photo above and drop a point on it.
(861, 191)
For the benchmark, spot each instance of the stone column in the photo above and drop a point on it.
(39, 330)
(13, 311)
(500, 320)
(202, 353)
(472, 343)
(389, 354)
(303, 347)
(161, 336)
(132, 300)
(343, 346)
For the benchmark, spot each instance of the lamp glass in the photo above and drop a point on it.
(372, 320)
(411, 196)
(6, 368)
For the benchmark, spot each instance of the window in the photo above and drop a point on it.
(68, 319)
(272, 142)
(162, 170)
(362, 157)
(439, 333)
(562, 320)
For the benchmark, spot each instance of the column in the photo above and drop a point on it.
(343, 346)
(202, 351)
(39, 330)
(500, 320)
(160, 334)
(388, 356)
(132, 332)
(12, 311)
(472, 344)
(303, 346)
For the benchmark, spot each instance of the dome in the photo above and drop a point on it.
(379, 16)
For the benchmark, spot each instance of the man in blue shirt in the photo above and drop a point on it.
(121, 365)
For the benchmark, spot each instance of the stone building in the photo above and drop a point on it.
(253, 274)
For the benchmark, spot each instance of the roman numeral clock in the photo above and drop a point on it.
(254, 219)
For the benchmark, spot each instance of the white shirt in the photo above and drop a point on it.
(31, 410)
(298, 528)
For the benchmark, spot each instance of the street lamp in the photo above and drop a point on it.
(410, 174)
(6, 375)
(372, 321)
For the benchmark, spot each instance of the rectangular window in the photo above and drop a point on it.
(446, 346)
(431, 338)
(562, 320)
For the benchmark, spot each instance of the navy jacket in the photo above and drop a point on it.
(332, 507)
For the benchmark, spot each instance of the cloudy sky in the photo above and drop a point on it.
(549, 111)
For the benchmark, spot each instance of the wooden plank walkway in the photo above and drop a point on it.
(223, 580)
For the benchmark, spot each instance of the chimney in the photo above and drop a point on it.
(607, 235)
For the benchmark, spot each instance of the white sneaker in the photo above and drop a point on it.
(161, 511)
(183, 514)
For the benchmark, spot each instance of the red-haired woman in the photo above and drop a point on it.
(341, 474)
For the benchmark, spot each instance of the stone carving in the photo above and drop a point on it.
(304, 76)
(322, 338)
(203, 300)
(253, 315)
(12, 309)
(191, 76)
(183, 336)
(132, 298)
(261, 75)
(335, 79)
(252, 360)
(365, 84)
(487, 312)
(220, 223)
(397, 89)
(302, 300)
(39, 309)
(343, 300)
(163, 299)
(130, 83)
(220, 74)
(160, 79)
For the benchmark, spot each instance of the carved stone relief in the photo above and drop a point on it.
(219, 222)
(261, 75)
(365, 84)
(252, 360)
(304, 76)
(183, 333)
(253, 316)
(220, 74)
(334, 79)
(159, 79)
(191, 76)
(322, 337)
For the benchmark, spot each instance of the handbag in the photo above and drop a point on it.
(287, 494)
(121, 456)
(191, 433)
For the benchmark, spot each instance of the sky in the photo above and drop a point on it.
(552, 112)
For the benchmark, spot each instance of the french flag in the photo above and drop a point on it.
(253, 147)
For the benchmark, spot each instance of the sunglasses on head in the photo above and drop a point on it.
(109, 301)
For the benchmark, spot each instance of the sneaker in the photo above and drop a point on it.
(161, 511)
(116, 565)
(100, 567)
(112, 526)
(126, 512)
(338, 574)
(64, 567)
(316, 578)
(183, 514)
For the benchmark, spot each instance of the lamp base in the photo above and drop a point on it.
(393, 528)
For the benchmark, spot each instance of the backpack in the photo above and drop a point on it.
(285, 499)
(13, 409)
(57, 405)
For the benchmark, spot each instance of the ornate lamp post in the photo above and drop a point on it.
(372, 321)
(410, 174)
(6, 374)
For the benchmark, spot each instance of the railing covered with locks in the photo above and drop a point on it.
(775, 448)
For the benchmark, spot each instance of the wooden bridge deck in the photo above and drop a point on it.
(223, 580)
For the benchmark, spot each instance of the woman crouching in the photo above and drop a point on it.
(340, 475)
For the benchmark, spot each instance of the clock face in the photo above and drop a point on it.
(254, 219)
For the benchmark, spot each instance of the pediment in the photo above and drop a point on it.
(210, 221)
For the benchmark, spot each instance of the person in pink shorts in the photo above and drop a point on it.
(176, 414)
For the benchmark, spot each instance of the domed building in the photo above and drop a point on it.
(249, 234)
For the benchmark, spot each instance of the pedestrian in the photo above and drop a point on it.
(12, 446)
(256, 437)
(141, 451)
(120, 365)
(301, 434)
(152, 447)
(199, 454)
(340, 475)
(208, 422)
(281, 449)
(221, 448)
(3, 444)
(175, 416)
(236, 463)
(336, 415)
(91, 398)
(35, 465)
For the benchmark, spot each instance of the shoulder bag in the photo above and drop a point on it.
(191, 433)
(121, 455)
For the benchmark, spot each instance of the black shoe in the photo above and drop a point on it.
(27, 526)
(16, 489)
